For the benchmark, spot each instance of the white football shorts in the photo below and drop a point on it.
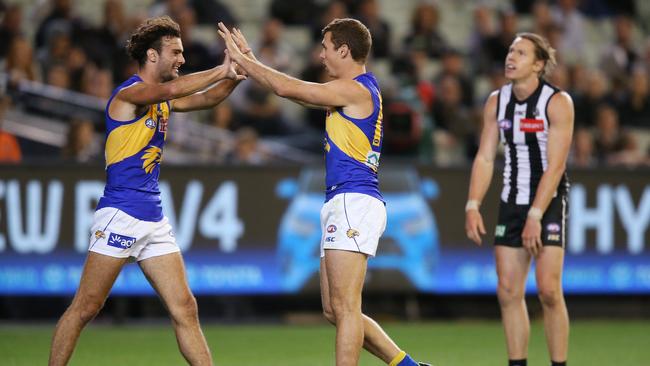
(352, 222)
(118, 234)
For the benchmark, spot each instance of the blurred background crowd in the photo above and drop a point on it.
(436, 61)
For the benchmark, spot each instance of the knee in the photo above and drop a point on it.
(550, 295)
(184, 310)
(329, 314)
(508, 293)
(342, 307)
(86, 309)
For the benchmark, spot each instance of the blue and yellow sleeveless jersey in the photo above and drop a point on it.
(133, 154)
(353, 147)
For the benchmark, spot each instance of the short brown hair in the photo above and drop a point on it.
(543, 51)
(149, 35)
(352, 33)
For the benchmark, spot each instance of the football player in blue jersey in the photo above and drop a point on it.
(354, 215)
(129, 221)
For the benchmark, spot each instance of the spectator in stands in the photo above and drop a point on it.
(58, 76)
(197, 56)
(453, 64)
(614, 146)
(57, 52)
(316, 73)
(483, 29)
(369, 14)
(294, 12)
(582, 154)
(81, 145)
(454, 136)
(208, 11)
(97, 82)
(635, 110)
(247, 150)
(566, 14)
(496, 47)
(593, 91)
(20, 61)
(10, 27)
(620, 56)
(10, 152)
(103, 45)
(59, 20)
(424, 34)
(542, 18)
(333, 10)
(272, 49)
(561, 77)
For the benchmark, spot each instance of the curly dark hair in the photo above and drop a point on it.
(149, 35)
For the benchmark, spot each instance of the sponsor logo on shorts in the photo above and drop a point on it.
(553, 227)
(553, 237)
(351, 233)
(120, 241)
(331, 229)
(150, 123)
(99, 234)
(330, 239)
(171, 233)
(505, 124)
(500, 230)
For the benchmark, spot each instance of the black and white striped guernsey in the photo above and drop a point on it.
(523, 129)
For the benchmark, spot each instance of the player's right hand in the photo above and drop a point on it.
(474, 227)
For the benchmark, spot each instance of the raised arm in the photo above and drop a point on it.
(337, 93)
(482, 170)
(212, 96)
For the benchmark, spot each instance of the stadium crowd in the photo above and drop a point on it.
(432, 91)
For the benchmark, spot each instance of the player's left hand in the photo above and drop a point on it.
(232, 73)
(531, 236)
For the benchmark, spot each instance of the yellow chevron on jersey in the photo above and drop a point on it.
(129, 139)
(348, 137)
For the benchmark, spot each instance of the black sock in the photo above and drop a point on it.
(521, 362)
(555, 363)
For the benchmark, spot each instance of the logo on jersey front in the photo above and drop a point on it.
(531, 125)
(505, 124)
(150, 123)
(372, 159)
(120, 241)
(351, 233)
(152, 157)
(162, 124)
(331, 229)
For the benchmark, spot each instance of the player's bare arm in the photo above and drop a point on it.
(345, 93)
(560, 133)
(126, 102)
(482, 170)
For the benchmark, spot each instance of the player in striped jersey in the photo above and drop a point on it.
(129, 221)
(354, 215)
(534, 121)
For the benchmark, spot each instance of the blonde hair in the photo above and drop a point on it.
(543, 51)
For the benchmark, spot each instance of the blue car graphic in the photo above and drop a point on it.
(410, 244)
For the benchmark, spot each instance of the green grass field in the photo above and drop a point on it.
(443, 343)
